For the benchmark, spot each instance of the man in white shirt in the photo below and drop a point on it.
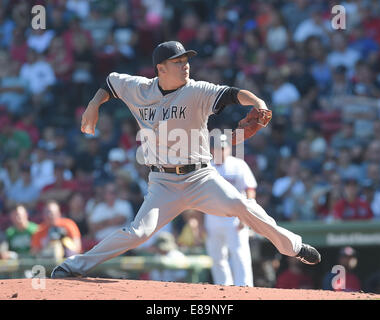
(37, 73)
(110, 215)
(227, 240)
(342, 54)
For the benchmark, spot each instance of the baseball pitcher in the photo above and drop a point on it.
(181, 176)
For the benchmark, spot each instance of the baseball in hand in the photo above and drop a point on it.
(88, 130)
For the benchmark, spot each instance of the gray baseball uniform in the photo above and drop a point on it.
(184, 110)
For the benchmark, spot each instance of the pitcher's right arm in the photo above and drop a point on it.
(91, 115)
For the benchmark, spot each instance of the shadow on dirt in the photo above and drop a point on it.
(91, 280)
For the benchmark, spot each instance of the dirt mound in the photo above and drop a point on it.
(115, 289)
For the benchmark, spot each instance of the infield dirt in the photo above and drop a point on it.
(115, 289)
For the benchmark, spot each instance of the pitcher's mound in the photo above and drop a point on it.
(114, 289)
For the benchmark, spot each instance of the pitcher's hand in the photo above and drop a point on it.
(90, 118)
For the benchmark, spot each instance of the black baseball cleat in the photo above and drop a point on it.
(59, 273)
(308, 255)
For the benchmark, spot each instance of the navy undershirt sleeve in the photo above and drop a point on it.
(229, 96)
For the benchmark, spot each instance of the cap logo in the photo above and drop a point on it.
(179, 46)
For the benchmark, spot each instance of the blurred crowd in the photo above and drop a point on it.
(319, 159)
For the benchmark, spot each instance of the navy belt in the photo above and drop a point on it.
(179, 169)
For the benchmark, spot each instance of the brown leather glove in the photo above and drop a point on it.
(253, 122)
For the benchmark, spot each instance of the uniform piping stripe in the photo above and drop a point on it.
(111, 87)
(218, 98)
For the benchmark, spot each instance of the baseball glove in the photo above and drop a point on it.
(253, 122)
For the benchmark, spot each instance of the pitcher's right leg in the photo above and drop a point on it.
(159, 208)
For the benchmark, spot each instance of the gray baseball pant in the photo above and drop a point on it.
(169, 195)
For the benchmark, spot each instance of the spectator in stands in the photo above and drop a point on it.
(165, 246)
(341, 54)
(319, 69)
(345, 138)
(340, 85)
(90, 160)
(127, 139)
(305, 84)
(372, 182)
(307, 158)
(351, 206)
(57, 236)
(5, 253)
(345, 166)
(297, 131)
(61, 60)
(294, 276)
(284, 93)
(23, 190)
(108, 136)
(81, 8)
(42, 168)
(193, 233)
(13, 89)
(76, 212)
(39, 39)
(277, 36)
(96, 198)
(63, 151)
(27, 123)
(124, 32)
(295, 12)
(109, 215)
(19, 48)
(349, 280)
(364, 81)
(304, 209)
(14, 143)
(129, 190)
(74, 28)
(287, 187)
(7, 25)
(116, 161)
(19, 235)
(83, 66)
(315, 25)
(39, 75)
(203, 42)
(188, 30)
(60, 190)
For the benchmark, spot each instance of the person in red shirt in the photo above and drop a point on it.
(352, 207)
(60, 190)
(294, 277)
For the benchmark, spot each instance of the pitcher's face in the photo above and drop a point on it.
(177, 70)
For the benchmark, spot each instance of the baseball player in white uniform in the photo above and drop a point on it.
(168, 108)
(227, 241)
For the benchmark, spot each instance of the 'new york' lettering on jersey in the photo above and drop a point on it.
(194, 102)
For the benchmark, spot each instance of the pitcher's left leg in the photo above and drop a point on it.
(217, 196)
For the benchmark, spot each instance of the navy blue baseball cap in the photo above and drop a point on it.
(170, 50)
